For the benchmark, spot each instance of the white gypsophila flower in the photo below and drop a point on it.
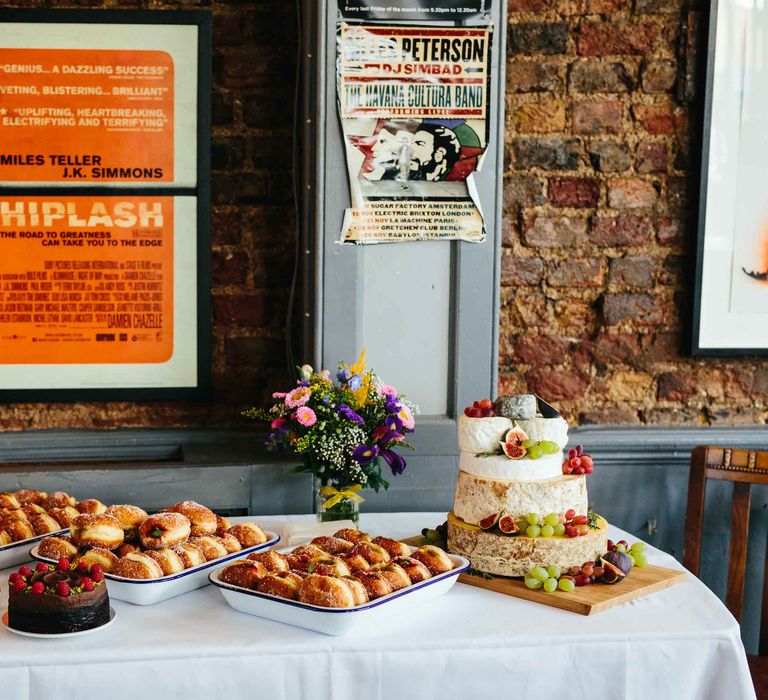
(336, 449)
(414, 407)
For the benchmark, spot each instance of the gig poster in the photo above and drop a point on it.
(413, 103)
(92, 286)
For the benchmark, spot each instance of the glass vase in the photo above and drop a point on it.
(342, 509)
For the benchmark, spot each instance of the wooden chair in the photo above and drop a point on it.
(744, 468)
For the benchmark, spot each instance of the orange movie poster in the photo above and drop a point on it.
(86, 280)
(70, 116)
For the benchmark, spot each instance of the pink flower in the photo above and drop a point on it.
(406, 417)
(279, 395)
(387, 390)
(278, 423)
(306, 416)
(298, 396)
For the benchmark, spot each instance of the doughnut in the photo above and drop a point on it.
(8, 500)
(9, 514)
(327, 566)
(18, 529)
(170, 562)
(283, 584)
(57, 547)
(248, 534)
(130, 519)
(354, 536)
(309, 551)
(126, 548)
(396, 576)
(96, 531)
(375, 583)
(211, 547)
(355, 561)
(301, 574)
(230, 542)
(394, 548)
(203, 519)
(64, 516)
(272, 561)
(358, 590)
(102, 557)
(92, 506)
(58, 499)
(27, 496)
(137, 565)
(326, 591)
(190, 554)
(31, 509)
(372, 553)
(222, 524)
(416, 571)
(43, 524)
(164, 530)
(244, 573)
(333, 545)
(5, 538)
(434, 558)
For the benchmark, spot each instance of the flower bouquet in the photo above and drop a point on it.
(342, 431)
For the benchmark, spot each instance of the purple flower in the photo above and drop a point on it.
(363, 454)
(393, 423)
(395, 461)
(391, 404)
(346, 412)
(342, 375)
(355, 382)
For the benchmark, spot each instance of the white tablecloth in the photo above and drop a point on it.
(679, 643)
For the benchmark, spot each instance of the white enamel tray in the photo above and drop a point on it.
(18, 552)
(156, 590)
(338, 621)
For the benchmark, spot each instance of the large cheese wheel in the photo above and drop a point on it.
(482, 434)
(504, 468)
(554, 429)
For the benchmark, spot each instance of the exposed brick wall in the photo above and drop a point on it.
(596, 271)
(252, 223)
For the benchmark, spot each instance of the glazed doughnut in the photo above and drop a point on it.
(333, 545)
(58, 499)
(164, 530)
(103, 557)
(8, 500)
(272, 561)
(170, 562)
(326, 591)
(394, 548)
(375, 583)
(248, 534)
(64, 516)
(354, 536)
(283, 584)
(222, 524)
(358, 590)
(18, 530)
(244, 573)
(372, 553)
(416, 571)
(434, 558)
(91, 506)
(96, 531)
(43, 524)
(190, 554)
(211, 547)
(130, 519)
(395, 574)
(57, 547)
(5, 538)
(203, 519)
(27, 496)
(355, 561)
(126, 548)
(230, 542)
(137, 565)
(31, 509)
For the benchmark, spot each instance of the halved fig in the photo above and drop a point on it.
(614, 567)
(516, 436)
(508, 525)
(513, 451)
(490, 521)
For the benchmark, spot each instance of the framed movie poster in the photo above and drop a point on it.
(104, 205)
(730, 311)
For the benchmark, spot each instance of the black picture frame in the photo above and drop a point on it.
(202, 19)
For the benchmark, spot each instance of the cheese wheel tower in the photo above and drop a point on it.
(510, 466)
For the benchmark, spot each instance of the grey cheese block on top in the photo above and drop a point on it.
(522, 407)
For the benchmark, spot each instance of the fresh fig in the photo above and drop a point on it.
(513, 451)
(620, 560)
(615, 567)
(489, 522)
(508, 525)
(516, 436)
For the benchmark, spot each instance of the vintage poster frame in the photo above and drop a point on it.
(202, 389)
(713, 198)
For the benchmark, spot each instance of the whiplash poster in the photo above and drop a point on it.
(413, 103)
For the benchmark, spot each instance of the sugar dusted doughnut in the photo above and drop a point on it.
(170, 562)
(58, 499)
(326, 591)
(355, 561)
(126, 548)
(327, 566)
(31, 509)
(43, 524)
(358, 590)
(8, 500)
(375, 583)
(64, 516)
(211, 547)
(283, 584)
(244, 573)
(434, 558)
(230, 542)
(395, 575)
(138, 566)
(5, 538)
(18, 530)
(394, 548)
(190, 554)
(354, 536)
(103, 557)
(28, 496)
(96, 531)
(372, 553)
(202, 519)
(130, 518)
(222, 524)
(91, 506)
(8, 514)
(416, 571)
(309, 551)
(272, 561)
(332, 545)
(248, 534)
(57, 547)
(164, 530)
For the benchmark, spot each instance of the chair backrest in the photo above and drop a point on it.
(744, 468)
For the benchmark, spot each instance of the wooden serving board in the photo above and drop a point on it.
(584, 600)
